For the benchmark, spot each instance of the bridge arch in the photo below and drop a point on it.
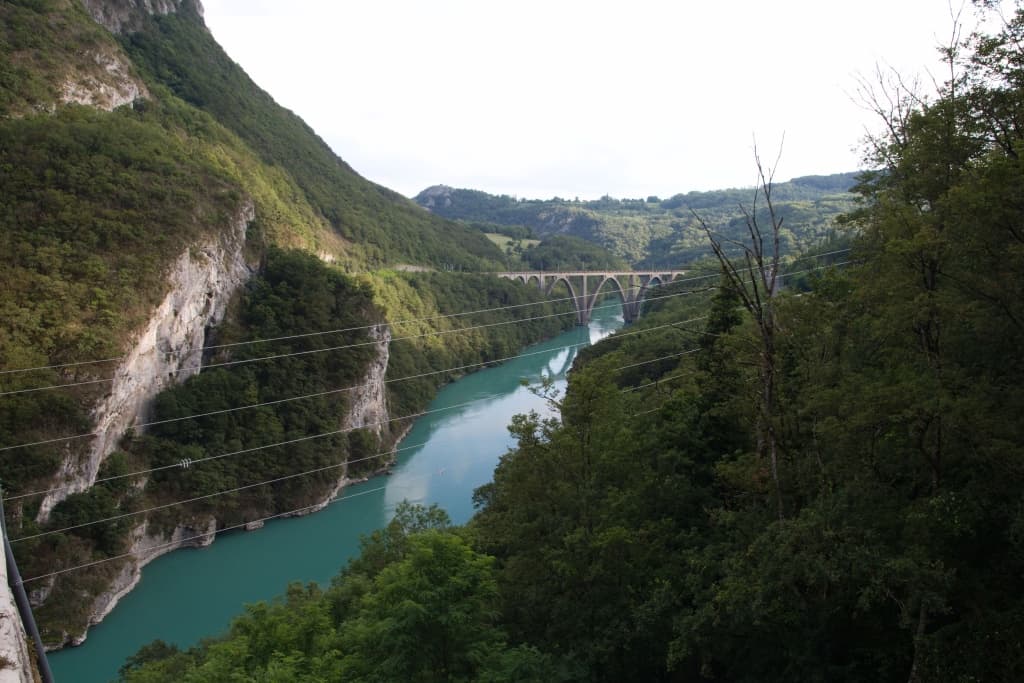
(577, 301)
(640, 297)
(632, 287)
(623, 297)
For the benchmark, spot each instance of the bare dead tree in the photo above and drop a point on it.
(756, 284)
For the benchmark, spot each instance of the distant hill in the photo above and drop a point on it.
(653, 231)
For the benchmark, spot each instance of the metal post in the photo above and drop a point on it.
(28, 620)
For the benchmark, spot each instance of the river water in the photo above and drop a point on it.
(194, 593)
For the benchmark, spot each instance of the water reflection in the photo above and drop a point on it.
(190, 594)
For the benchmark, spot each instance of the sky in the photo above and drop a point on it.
(582, 99)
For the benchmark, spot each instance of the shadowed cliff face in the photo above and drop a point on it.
(125, 16)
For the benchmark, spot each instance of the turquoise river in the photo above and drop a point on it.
(191, 594)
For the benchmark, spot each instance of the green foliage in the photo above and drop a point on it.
(91, 205)
(656, 234)
(426, 612)
(899, 382)
(177, 51)
(294, 295)
(44, 45)
(564, 252)
(427, 344)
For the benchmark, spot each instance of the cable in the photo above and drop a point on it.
(307, 473)
(344, 346)
(189, 463)
(55, 386)
(393, 323)
(651, 384)
(349, 389)
(332, 433)
(209, 495)
(296, 398)
(325, 332)
(278, 479)
(655, 360)
(241, 525)
(139, 425)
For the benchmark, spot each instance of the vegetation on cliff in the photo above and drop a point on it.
(643, 536)
(96, 205)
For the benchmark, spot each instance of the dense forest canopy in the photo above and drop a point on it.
(642, 535)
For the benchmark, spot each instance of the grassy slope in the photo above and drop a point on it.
(177, 51)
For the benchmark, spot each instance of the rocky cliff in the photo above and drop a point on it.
(367, 408)
(168, 350)
(122, 16)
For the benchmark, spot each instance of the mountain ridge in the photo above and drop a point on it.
(655, 232)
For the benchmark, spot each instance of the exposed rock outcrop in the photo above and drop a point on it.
(368, 406)
(146, 547)
(112, 84)
(435, 196)
(168, 350)
(124, 16)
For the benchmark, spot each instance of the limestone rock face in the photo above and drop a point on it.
(368, 407)
(111, 85)
(146, 546)
(124, 16)
(167, 351)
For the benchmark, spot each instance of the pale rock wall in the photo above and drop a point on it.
(112, 85)
(368, 406)
(123, 16)
(168, 350)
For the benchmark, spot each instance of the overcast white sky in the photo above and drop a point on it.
(574, 98)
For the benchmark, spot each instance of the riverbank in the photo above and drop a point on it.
(446, 454)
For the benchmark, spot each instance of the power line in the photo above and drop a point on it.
(371, 342)
(139, 425)
(318, 470)
(313, 471)
(482, 363)
(344, 346)
(655, 360)
(326, 332)
(618, 335)
(241, 525)
(393, 323)
(305, 396)
(207, 496)
(184, 464)
(655, 382)
(317, 436)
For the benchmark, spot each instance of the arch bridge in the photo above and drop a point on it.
(631, 286)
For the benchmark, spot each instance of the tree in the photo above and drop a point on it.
(756, 287)
(428, 617)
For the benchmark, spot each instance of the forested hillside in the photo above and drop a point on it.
(830, 489)
(151, 193)
(655, 232)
